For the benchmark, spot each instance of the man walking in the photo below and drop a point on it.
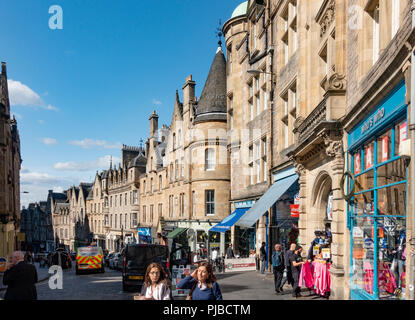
(296, 263)
(20, 279)
(289, 276)
(263, 257)
(278, 267)
(229, 252)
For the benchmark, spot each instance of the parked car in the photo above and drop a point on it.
(107, 259)
(135, 260)
(113, 262)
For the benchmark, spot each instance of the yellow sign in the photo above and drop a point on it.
(21, 236)
(326, 253)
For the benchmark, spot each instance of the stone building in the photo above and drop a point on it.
(378, 150)
(37, 227)
(120, 192)
(185, 187)
(10, 164)
(337, 74)
(58, 208)
(80, 232)
(261, 107)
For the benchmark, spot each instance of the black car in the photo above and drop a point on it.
(135, 260)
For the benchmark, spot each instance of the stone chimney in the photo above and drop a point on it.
(154, 125)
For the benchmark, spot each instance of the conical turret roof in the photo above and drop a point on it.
(212, 103)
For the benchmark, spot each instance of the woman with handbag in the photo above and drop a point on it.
(155, 285)
(202, 284)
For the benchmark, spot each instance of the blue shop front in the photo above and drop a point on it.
(378, 205)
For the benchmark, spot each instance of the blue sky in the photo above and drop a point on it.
(79, 93)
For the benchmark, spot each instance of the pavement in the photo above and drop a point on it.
(252, 285)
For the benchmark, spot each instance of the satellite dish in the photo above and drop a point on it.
(190, 232)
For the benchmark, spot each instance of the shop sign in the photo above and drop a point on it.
(326, 253)
(373, 120)
(244, 204)
(385, 148)
(295, 210)
(235, 265)
(368, 157)
(357, 163)
(3, 262)
(403, 131)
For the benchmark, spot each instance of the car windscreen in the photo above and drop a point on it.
(84, 252)
(145, 255)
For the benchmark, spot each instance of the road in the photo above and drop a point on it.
(96, 286)
(108, 286)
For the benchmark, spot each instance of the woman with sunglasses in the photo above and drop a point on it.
(155, 285)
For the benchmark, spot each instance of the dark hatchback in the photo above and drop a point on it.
(136, 258)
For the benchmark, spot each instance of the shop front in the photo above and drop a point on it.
(377, 205)
(271, 214)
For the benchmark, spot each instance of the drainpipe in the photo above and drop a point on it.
(412, 173)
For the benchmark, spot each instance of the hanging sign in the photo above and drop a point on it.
(368, 157)
(403, 135)
(297, 199)
(357, 163)
(326, 253)
(316, 250)
(330, 207)
(385, 148)
(295, 210)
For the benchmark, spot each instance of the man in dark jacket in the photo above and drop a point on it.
(278, 267)
(263, 257)
(20, 279)
(229, 252)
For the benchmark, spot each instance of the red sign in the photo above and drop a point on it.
(369, 160)
(403, 131)
(357, 163)
(385, 148)
(295, 210)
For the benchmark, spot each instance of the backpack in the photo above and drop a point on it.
(276, 259)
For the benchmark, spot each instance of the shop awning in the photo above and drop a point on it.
(176, 232)
(229, 221)
(266, 201)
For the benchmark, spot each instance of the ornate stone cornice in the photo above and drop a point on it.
(334, 148)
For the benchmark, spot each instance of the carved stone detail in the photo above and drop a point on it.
(336, 82)
(328, 18)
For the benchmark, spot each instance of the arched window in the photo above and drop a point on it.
(210, 159)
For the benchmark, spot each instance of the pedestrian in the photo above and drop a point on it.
(229, 252)
(289, 277)
(202, 284)
(20, 279)
(28, 257)
(278, 267)
(155, 284)
(263, 257)
(296, 263)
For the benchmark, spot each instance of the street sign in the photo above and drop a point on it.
(295, 210)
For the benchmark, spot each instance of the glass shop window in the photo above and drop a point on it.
(392, 256)
(365, 181)
(363, 254)
(385, 147)
(369, 154)
(401, 134)
(391, 173)
(392, 200)
(364, 203)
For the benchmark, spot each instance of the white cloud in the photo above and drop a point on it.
(90, 143)
(22, 95)
(49, 141)
(28, 177)
(95, 165)
(157, 102)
